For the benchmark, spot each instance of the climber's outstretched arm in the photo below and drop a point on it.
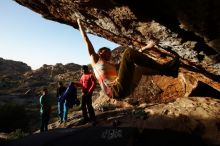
(94, 56)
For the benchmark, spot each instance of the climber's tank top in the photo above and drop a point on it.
(106, 74)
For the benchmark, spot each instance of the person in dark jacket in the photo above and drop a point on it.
(45, 110)
(69, 98)
(88, 83)
(60, 105)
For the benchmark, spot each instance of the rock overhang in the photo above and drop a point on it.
(190, 28)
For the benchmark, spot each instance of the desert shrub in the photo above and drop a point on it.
(12, 117)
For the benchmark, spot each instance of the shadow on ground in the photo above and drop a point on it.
(108, 136)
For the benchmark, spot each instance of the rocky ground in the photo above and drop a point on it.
(186, 121)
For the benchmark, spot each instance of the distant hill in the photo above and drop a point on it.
(54, 72)
(16, 78)
(10, 67)
(11, 72)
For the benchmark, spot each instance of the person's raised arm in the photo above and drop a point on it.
(88, 43)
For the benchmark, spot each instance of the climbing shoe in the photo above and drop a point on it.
(171, 68)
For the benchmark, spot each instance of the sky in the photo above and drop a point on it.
(26, 36)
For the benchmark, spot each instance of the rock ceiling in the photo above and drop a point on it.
(190, 28)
